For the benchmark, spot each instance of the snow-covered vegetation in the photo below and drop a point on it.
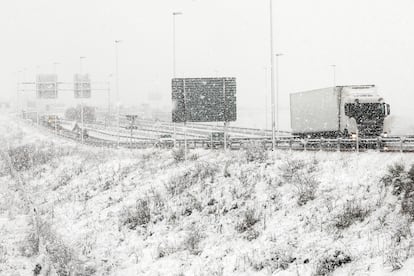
(250, 212)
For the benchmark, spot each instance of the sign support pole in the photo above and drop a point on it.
(185, 124)
(224, 114)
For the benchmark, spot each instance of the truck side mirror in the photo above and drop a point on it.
(388, 109)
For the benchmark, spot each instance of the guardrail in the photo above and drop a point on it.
(381, 144)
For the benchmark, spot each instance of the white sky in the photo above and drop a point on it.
(370, 41)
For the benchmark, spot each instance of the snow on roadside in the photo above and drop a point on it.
(140, 212)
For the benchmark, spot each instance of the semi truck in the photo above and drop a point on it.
(340, 111)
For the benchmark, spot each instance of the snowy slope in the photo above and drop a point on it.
(142, 212)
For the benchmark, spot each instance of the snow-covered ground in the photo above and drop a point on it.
(144, 212)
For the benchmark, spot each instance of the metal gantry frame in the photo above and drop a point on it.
(23, 83)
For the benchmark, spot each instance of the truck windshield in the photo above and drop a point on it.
(368, 111)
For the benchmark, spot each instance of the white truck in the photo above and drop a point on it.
(340, 111)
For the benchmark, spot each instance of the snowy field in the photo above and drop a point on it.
(147, 212)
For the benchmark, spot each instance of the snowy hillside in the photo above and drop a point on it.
(147, 212)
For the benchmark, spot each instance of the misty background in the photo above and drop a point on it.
(370, 42)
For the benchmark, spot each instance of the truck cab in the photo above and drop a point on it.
(364, 112)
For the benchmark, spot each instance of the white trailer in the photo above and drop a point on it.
(339, 111)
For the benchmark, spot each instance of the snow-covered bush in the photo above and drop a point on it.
(165, 249)
(327, 264)
(192, 241)
(351, 212)
(177, 184)
(178, 154)
(205, 170)
(270, 259)
(400, 244)
(30, 244)
(61, 256)
(397, 177)
(136, 215)
(306, 186)
(249, 218)
(3, 254)
(29, 155)
(407, 203)
(201, 171)
(291, 167)
(157, 205)
(188, 203)
(300, 174)
(402, 183)
(255, 152)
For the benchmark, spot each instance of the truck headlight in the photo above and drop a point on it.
(353, 136)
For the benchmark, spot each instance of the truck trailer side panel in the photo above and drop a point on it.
(314, 111)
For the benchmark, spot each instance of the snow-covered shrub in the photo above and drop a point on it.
(397, 177)
(270, 259)
(3, 254)
(177, 184)
(255, 152)
(300, 174)
(30, 244)
(193, 157)
(200, 172)
(178, 154)
(407, 203)
(400, 245)
(192, 241)
(188, 203)
(26, 156)
(61, 256)
(327, 264)
(402, 183)
(249, 218)
(205, 170)
(157, 205)
(291, 167)
(164, 249)
(136, 215)
(352, 212)
(226, 172)
(306, 186)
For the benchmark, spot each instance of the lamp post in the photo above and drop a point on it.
(56, 96)
(81, 95)
(272, 79)
(109, 96)
(277, 92)
(117, 91)
(174, 66)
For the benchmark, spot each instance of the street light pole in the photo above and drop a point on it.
(56, 98)
(174, 67)
(81, 95)
(272, 80)
(117, 91)
(277, 93)
(109, 97)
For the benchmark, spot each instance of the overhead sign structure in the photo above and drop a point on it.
(82, 85)
(204, 100)
(46, 86)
